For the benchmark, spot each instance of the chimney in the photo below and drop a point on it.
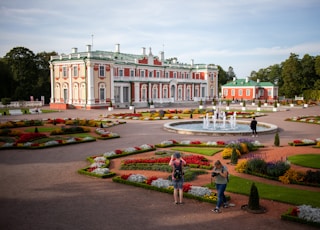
(150, 52)
(88, 48)
(117, 48)
(143, 51)
(247, 79)
(192, 62)
(162, 56)
(74, 50)
(258, 80)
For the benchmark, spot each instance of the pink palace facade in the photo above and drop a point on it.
(95, 79)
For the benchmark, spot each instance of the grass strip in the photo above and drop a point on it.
(202, 151)
(273, 192)
(306, 160)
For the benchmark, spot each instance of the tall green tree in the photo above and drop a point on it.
(21, 62)
(308, 72)
(6, 79)
(43, 86)
(292, 76)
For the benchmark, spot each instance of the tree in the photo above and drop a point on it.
(27, 74)
(43, 86)
(7, 86)
(308, 72)
(291, 75)
(21, 62)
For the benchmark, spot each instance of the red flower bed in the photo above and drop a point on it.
(186, 187)
(297, 142)
(221, 143)
(30, 137)
(193, 159)
(149, 180)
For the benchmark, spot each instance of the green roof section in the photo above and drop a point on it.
(247, 83)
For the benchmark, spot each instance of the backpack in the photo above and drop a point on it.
(177, 172)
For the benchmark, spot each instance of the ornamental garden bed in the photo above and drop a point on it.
(304, 214)
(53, 132)
(314, 119)
(153, 183)
(305, 142)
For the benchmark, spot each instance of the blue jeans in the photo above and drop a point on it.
(221, 197)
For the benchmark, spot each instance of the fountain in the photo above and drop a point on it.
(218, 125)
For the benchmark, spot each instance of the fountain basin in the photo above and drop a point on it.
(195, 128)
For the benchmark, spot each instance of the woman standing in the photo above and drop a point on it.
(177, 164)
(220, 174)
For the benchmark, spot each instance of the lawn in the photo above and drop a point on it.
(202, 151)
(272, 192)
(306, 160)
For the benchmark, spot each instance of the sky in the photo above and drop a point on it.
(245, 34)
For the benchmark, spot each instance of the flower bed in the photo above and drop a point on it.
(304, 142)
(98, 168)
(104, 134)
(195, 143)
(304, 214)
(305, 119)
(162, 185)
(49, 143)
(193, 161)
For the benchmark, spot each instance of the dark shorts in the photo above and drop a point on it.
(177, 184)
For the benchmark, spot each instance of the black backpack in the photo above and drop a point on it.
(177, 173)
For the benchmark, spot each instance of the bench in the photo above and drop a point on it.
(15, 112)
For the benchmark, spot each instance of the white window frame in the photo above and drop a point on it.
(102, 71)
(75, 71)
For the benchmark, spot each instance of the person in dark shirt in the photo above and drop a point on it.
(253, 126)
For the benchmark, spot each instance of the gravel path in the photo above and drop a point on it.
(41, 189)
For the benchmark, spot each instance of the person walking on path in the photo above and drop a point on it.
(220, 174)
(177, 164)
(253, 126)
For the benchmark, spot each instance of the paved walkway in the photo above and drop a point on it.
(41, 189)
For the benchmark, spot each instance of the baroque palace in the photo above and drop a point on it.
(99, 79)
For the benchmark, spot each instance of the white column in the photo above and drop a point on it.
(150, 92)
(90, 84)
(184, 91)
(137, 92)
(52, 100)
(70, 85)
(160, 92)
(111, 84)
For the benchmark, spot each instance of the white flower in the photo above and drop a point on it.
(101, 171)
(185, 142)
(109, 154)
(212, 143)
(99, 159)
(48, 143)
(256, 143)
(166, 142)
(27, 144)
(87, 138)
(71, 140)
(137, 178)
(130, 150)
(161, 183)
(7, 144)
(97, 164)
(145, 146)
(308, 213)
(308, 141)
(199, 191)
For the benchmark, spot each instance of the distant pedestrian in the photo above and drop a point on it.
(253, 126)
